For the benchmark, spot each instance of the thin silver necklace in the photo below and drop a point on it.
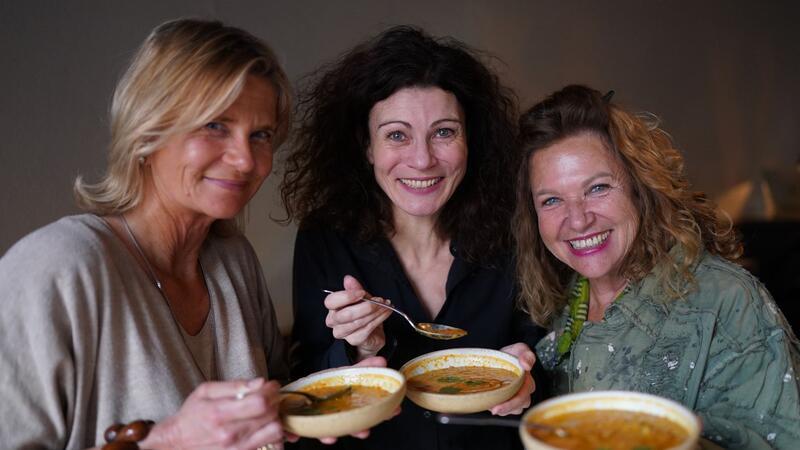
(154, 278)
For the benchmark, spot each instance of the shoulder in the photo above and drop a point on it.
(232, 255)
(70, 240)
(318, 239)
(235, 247)
(60, 267)
(743, 307)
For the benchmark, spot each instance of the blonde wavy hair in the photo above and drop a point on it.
(186, 73)
(670, 212)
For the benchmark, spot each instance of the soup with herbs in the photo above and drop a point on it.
(356, 397)
(610, 430)
(462, 380)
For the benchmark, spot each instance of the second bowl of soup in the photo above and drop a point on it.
(462, 380)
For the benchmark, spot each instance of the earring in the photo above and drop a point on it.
(141, 160)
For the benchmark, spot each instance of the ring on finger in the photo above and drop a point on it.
(241, 394)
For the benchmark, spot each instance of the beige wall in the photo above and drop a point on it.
(723, 75)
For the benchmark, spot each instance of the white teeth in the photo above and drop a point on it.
(420, 184)
(593, 241)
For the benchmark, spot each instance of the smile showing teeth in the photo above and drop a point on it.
(594, 241)
(420, 184)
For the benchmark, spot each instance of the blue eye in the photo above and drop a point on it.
(550, 201)
(263, 136)
(444, 132)
(396, 136)
(215, 127)
(598, 188)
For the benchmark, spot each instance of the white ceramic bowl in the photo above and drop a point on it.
(461, 357)
(353, 420)
(612, 400)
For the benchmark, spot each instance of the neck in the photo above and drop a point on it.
(417, 239)
(602, 293)
(171, 243)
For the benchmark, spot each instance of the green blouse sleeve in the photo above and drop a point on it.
(748, 396)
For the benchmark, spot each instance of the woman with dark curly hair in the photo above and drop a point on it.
(635, 274)
(401, 181)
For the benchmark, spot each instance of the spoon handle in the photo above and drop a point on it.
(462, 420)
(497, 421)
(376, 302)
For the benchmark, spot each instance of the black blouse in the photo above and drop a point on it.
(480, 299)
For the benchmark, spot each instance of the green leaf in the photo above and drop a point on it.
(449, 390)
(474, 382)
(449, 379)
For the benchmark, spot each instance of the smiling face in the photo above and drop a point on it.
(586, 215)
(418, 149)
(212, 172)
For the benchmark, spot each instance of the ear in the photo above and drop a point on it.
(370, 156)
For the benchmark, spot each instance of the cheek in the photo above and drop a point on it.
(456, 154)
(264, 164)
(548, 228)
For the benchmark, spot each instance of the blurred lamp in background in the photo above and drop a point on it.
(773, 194)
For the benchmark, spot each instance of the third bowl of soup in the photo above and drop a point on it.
(613, 420)
(462, 380)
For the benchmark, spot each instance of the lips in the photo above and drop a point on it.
(414, 183)
(589, 244)
(232, 185)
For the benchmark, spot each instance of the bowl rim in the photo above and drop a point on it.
(690, 418)
(465, 351)
(345, 371)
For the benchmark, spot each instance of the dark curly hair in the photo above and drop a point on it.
(670, 211)
(328, 178)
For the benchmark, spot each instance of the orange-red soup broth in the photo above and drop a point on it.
(462, 380)
(356, 397)
(610, 430)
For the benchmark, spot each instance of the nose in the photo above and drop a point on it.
(421, 155)
(578, 215)
(239, 154)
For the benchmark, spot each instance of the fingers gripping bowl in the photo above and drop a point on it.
(463, 380)
(374, 394)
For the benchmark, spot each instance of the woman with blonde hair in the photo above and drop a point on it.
(635, 274)
(138, 308)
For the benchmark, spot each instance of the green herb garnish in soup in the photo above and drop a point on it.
(462, 380)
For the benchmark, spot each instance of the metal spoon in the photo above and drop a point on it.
(431, 330)
(497, 421)
(317, 398)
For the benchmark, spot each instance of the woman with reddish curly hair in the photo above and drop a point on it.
(401, 180)
(635, 274)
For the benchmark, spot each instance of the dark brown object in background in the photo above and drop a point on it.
(772, 253)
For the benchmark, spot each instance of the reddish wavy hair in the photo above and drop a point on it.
(671, 212)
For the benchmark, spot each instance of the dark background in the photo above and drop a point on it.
(722, 75)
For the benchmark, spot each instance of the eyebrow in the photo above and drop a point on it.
(408, 125)
(587, 182)
(262, 126)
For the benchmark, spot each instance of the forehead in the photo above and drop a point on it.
(417, 103)
(572, 158)
(257, 97)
